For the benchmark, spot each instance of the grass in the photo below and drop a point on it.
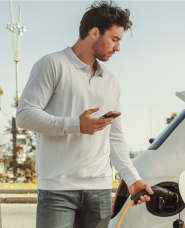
(18, 185)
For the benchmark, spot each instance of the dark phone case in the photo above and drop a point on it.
(111, 114)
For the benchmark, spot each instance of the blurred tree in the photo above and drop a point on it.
(169, 120)
(1, 143)
(16, 102)
(27, 168)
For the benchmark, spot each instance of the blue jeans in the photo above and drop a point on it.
(74, 209)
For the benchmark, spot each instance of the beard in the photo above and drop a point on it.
(99, 48)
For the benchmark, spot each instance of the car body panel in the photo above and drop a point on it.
(164, 164)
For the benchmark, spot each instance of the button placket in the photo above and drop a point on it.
(90, 79)
(92, 85)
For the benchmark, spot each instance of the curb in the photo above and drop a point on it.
(18, 190)
(19, 200)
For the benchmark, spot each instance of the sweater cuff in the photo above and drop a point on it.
(131, 179)
(73, 125)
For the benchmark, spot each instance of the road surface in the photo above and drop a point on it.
(18, 215)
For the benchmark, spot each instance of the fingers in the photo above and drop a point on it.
(149, 190)
(101, 123)
(104, 121)
(139, 202)
(147, 198)
(89, 125)
(90, 111)
(104, 124)
(101, 128)
(143, 199)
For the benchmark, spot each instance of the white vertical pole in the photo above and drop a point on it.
(17, 83)
(16, 44)
(18, 40)
(17, 59)
(151, 120)
(13, 33)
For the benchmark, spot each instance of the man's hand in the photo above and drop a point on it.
(89, 125)
(139, 186)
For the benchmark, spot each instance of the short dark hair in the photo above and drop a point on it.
(103, 15)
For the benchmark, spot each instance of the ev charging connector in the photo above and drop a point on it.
(158, 191)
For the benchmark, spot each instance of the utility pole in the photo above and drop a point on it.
(14, 131)
(16, 29)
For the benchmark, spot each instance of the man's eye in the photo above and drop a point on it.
(114, 40)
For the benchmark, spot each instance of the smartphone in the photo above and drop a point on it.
(111, 114)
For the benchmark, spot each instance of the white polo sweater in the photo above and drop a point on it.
(58, 91)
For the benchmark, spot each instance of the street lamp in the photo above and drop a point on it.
(17, 31)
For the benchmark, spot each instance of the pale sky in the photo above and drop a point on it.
(150, 65)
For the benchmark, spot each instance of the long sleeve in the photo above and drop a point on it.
(35, 97)
(119, 155)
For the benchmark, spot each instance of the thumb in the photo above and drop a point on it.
(149, 190)
(90, 111)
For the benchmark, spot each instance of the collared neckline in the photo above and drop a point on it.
(79, 64)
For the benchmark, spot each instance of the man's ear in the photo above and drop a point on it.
(94, 33)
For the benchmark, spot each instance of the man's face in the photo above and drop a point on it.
(108, 43)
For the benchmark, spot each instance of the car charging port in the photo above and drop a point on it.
(172, 200)
(166, 206)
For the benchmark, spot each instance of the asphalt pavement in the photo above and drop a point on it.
(18, 215)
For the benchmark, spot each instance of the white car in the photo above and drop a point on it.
(161, 164)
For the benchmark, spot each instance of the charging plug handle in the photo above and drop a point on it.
(158, 191)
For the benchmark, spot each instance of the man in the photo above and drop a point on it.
(66, 93)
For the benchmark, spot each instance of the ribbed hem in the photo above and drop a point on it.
(74, 183)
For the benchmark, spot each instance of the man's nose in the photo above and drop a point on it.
(117, 47)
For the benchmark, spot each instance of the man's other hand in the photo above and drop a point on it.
(89, 125)
(139, 186)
